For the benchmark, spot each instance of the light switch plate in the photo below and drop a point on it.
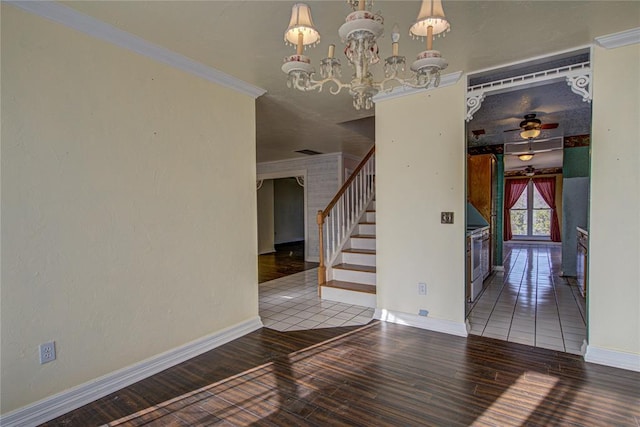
(446, 217)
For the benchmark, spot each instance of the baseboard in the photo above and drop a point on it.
(498, 268)
(73, 398)
(616, 359)
(422, 322)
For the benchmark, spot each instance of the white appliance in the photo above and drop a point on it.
(476, 265)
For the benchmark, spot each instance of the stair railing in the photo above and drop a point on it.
(338, 219)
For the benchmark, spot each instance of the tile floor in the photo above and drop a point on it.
(291, 303)
(529, 303)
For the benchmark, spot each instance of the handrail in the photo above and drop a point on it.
(344, 210)
(347, 183)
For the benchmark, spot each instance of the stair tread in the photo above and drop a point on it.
(360, 251)
(350, 286)
(356, 267)
(366, 223)
(364, 236)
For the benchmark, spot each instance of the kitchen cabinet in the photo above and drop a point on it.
(581, 259)
(481, 193)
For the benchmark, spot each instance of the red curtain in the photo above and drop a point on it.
(547, 189)
(512, 191)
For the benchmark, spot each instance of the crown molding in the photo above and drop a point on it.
(623, 38)
(400, 91)
(78, 21)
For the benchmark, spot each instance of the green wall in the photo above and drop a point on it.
(498, 209)
(575, 162)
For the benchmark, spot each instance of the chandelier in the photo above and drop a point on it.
(360, 33)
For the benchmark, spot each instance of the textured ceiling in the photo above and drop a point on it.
(245, 39)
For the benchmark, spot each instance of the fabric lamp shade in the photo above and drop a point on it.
(431, 15)
(301, 23)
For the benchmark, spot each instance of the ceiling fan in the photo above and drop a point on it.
(526, 150)
(530, 127)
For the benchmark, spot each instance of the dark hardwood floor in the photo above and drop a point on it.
(286, 260)
(381, 374)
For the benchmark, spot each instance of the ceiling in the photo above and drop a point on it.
(245, 39)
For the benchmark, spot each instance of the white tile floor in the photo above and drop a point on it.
(529, 303)
(291, 303)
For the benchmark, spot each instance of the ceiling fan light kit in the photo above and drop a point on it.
(526, 157)
(530, 133)
(360, 33)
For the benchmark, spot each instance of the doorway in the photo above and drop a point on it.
(534, 129)
(282, 240)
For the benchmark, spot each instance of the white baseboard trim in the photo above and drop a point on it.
(498, 268)
(422, 322)
(616, 359)
(59, 404)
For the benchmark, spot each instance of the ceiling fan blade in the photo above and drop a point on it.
(549, 126)
(478, 132)
(512, 130)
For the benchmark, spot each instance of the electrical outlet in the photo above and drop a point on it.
(446, 217)
(47, 352)
(423, 312)
(422, 288)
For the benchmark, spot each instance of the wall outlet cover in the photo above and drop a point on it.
(422, 288)
(47, 352)
(423, 312)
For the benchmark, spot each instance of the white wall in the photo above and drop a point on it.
(322, 183)
(128, 208)
(420, 172)
(265, 217)
(614, 232)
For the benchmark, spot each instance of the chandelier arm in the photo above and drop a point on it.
(392, 78)
(319, 84)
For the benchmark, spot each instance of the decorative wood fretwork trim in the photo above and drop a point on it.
(578, 76)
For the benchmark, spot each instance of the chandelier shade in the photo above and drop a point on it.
(431, 15)
(301, 24)
(360, 33)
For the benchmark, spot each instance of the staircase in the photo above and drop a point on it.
(354, 270)
(347, 231)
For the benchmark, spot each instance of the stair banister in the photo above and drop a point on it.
(344, 210)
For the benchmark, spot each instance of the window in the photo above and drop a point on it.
(531, 215)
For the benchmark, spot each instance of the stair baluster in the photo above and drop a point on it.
(343, 212)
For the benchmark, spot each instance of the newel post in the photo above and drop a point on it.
(322, 271)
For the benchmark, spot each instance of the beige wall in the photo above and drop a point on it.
(420, 150)
(420, 164)
(614, 231)
(128, 208)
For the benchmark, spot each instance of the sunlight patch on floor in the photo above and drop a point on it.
(519, 401)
